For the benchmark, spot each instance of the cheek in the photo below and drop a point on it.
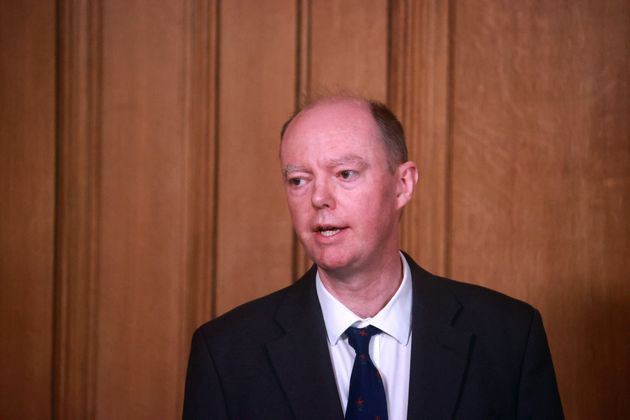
(297, 212)
(380, 208)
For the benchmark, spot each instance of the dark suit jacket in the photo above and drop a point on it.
(476, 354)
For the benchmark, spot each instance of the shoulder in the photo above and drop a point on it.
(475, 307)
(245, 322)
(486, 302)
(493, 316)
(254, 322)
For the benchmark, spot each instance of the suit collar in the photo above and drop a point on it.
(439, 358)
(301, 358)
(440, 350)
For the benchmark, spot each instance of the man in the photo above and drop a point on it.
(366, 332)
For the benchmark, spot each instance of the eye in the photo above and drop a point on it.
(347, 174)
(296, 181)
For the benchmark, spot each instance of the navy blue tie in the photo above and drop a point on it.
(366, 399)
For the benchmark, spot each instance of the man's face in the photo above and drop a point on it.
(343, 199)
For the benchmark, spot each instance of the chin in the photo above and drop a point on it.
(332, 262)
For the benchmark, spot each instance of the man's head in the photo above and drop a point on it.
(391, 130)
(346, 184)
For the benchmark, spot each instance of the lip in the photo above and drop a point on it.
(329, 233)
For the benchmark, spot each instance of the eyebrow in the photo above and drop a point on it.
(292, 168)
(346, 159)
(343, 160)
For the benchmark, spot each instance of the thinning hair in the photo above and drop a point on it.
(391, 130)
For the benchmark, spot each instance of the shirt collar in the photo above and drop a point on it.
(394, 319)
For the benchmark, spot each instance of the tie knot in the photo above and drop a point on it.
(359, 338)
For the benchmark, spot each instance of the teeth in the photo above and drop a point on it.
(329, 232)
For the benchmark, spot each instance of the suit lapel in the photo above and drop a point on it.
(301, 358)
(439, 350)
(439, 357)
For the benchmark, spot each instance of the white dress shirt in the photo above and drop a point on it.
(390, 351)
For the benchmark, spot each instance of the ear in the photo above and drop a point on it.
(406, 180)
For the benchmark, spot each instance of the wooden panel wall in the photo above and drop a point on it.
(122, 201)
(419, 93)
(341, 34)
(142, 202)
(140, 193)
(27, 203)
(256, 95)
(541, 178)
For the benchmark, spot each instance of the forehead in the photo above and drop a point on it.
(332, 129)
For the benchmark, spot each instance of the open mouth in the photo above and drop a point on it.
(328, 231)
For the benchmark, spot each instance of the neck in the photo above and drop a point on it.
(365, 293)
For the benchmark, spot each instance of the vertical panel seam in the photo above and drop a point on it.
(77, 157)
(56, 296)
(97, 154)
(217, 160)
(448, 190)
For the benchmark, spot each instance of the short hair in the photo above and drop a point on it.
(391, 130)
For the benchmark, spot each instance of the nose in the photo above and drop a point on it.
(323, 195)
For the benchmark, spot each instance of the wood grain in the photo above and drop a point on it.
(78, 204)
(256, 95)
(143, 209)
(27, 206)
(200, 131)
(541, 179)
(419, 89)
(348, 47)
